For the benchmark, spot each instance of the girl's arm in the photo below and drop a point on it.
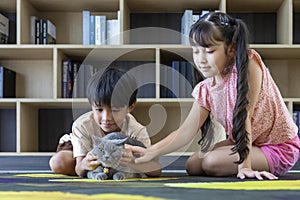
(177, 139)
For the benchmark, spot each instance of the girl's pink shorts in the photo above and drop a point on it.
(282, 157)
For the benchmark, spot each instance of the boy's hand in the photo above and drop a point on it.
(90, 162)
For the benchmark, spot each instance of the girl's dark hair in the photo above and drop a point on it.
(113, 87)
(218, 26)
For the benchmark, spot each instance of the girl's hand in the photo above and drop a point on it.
(249, 173)
(127, 157)
(145, 154)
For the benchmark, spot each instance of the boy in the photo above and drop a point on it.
(112, 96)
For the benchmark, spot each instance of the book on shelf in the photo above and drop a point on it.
(7, 83)
(100, 29)
(4, 29)
(67, 79)
(48, 32)
(76, 67)
(33, 29)
(190, 80)
(92, 29)
(86, 27)
(186, 23)
(175, 79)
(183, 79)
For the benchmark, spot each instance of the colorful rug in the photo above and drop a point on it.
(36, 186)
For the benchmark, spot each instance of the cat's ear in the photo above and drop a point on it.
(96, 139)
(122, 141)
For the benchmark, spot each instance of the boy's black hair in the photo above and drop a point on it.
(113, 87)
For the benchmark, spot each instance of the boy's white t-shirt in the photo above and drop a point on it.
(85, 126)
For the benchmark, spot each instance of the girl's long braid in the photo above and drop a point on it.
(240, 113)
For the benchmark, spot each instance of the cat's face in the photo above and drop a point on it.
(108, 153)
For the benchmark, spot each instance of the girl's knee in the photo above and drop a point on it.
(210, 165)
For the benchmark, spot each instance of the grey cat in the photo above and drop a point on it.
(108, 150)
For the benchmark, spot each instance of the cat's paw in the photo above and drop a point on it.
(100, 176)
(119, 176)
(141, 175)
(97, 176)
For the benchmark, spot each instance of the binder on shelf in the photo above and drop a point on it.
(7, 83)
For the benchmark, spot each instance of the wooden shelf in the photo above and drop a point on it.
(39, 67)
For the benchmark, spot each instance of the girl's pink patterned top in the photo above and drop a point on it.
(271, 122)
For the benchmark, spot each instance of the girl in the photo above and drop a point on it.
(241, 94)
(112, 95)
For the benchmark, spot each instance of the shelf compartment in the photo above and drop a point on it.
(161, 118)
(268, 21)
(34, 75)
(296, 22)
(286, 75)
(157, 22)
(178, 76)
(43, 122)
(8, 9)
(283, 62)
(68, 30)
(8, 125)
(139, 61)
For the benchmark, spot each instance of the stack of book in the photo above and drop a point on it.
(42, 31)
(76, 75)
(98, 30)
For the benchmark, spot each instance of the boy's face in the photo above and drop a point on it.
(109, 119)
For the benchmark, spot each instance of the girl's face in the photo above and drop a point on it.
(109, 119)
(212, 60)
